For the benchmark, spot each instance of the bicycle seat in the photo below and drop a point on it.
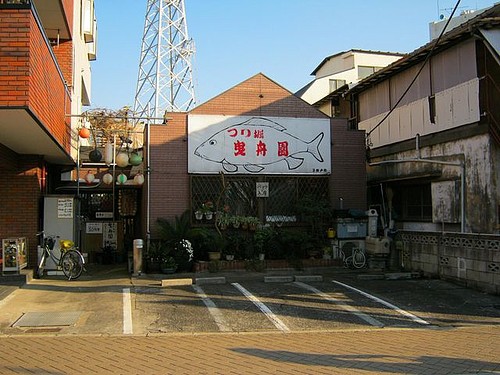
(66, 244)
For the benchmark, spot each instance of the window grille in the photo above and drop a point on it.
(239, 195)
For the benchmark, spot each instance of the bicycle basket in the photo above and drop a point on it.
(50, 242)
(66, 244)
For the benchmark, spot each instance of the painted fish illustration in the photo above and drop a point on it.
(256, 143)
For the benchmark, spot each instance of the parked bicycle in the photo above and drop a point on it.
(357, 258)
(71, 260)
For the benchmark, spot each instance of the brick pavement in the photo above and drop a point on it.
(375, 351)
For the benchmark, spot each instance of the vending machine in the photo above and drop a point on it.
(59, 219)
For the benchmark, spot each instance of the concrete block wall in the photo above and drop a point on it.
(468, 259)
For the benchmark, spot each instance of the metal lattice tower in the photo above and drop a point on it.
(165, 80)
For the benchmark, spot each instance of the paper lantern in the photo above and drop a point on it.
(122, 159)
(95, 156)
(89, 177)
(135, 159)
(121, 179)
(84, 133)
(139, 179)
(107, 178)
(108, 153)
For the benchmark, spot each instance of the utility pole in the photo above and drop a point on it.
(165, 79)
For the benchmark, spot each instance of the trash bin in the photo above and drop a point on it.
(138, 244)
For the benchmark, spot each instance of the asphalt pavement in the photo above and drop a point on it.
(52, 326)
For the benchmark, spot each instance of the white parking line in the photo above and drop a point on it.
(267, 312)
(213, 310)
(127, 312)
(385, 303)
(359, 314)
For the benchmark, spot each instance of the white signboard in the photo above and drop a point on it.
(93, 228)
(110, 234)
(262, 189)
(65, 208)
(258, 145)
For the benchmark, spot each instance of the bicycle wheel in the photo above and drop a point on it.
(72, 264)
(358, 258)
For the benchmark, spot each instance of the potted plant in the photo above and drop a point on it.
(253, 223)
(168, 265)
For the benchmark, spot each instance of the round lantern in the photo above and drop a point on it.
(89, 177)
(139, 179)
(108, 153)
(135, 159)
(84, 132)
(107, 178)
(95, 156)
(122, 159)
(121, 179)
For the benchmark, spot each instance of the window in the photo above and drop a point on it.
(415, 203)
(335, 84)
(365, 71)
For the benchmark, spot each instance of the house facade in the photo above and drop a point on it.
(432, 126)
(347, 67)
(45, 78)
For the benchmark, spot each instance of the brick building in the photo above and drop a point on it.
(179, 183)
(45, 53)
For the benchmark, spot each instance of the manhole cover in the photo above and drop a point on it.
(48, 319)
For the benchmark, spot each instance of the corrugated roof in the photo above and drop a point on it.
(326, 59)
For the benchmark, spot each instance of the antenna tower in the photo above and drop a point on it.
(165, 82)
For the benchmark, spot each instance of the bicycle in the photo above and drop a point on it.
(357, 259)
(71, 261)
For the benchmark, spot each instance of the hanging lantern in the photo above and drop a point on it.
(89, 177)
(107, 178)
(121, 179)
(108, 153)
(84, 132)
(95, 156)
(135, 159)
(122, 159)
(139, 179)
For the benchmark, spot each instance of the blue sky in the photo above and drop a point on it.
(236, 39)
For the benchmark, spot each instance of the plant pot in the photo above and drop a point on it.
(209, 215)
(168, 270)
(262, 256)
(198, 215)
(214, 255)
(229, 257)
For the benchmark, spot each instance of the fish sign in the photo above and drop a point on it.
(258, 145)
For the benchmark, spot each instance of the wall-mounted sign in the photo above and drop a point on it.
(104, 215)
(258, 145)
(262, 189)
(65, 208)
(93, 228)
